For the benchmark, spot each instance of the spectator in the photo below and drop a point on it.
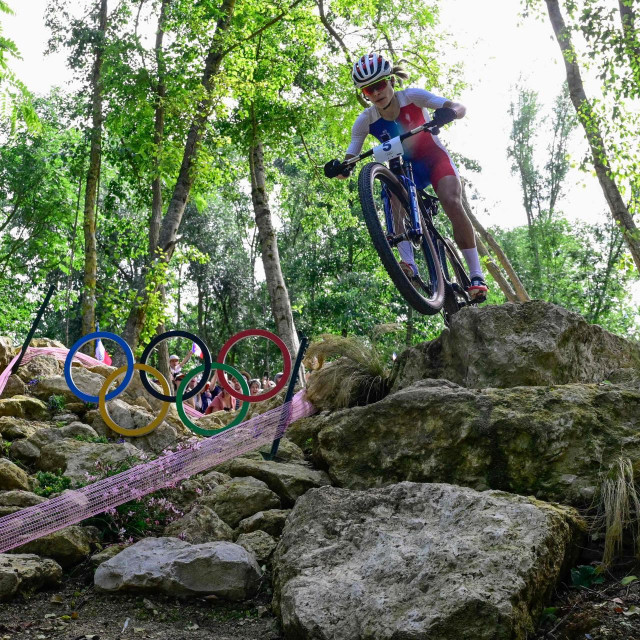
(176, 369)
(205, 397)
(254, 387)
(222, 402)
(277, 377)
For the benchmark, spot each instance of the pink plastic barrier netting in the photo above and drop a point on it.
(73, 506)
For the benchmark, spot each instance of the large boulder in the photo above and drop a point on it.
(67, 547)
(201, 524)
(239, 498)
(551, 442)
(26, 573)
(16, 499)
(81, 460)
(7, 351)
(419, 561)
(12, 476)
(86, 381)
(178, 568)
(518, 344)
(12, 428)
(288, 480)
(38, 368)
(24, 407)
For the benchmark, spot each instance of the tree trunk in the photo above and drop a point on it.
(520, 291)
(93, 176)
(168, 231)
(280, 304)
(588, 120)
(495, 272)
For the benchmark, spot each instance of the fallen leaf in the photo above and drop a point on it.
(632, 611)
(618, 609)
(74, 615)
(627, 580)
(618, 601)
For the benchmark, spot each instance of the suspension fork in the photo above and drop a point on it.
(406, 179)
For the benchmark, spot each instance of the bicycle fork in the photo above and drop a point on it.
(413, 234)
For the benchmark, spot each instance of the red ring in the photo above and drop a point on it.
(286, 356)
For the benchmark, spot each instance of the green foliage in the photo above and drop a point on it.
(50, 483)
(56, 402)
(586, 576)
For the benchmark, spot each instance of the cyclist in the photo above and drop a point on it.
(395, 112)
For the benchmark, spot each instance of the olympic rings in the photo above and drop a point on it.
(177, 334)
(286, 356)
(141, 431)
(183, 385)
(204, 369)
(94, 336)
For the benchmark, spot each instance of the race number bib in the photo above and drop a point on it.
(388, 150)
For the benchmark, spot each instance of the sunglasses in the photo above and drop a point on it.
(376, 86)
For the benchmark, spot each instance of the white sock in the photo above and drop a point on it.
(405, 248)
(473, 262)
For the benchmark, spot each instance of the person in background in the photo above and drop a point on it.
(175, 365)
(254, 387)
(277, 377)
(205, 398)
(222, 402)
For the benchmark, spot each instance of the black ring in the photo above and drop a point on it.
(176, 334)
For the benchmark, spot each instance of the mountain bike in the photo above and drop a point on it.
(395, 210)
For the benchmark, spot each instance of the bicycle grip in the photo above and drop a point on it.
(333, 168)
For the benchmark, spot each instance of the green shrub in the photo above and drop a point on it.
(49, 483)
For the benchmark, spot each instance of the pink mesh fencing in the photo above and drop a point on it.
(76, 505)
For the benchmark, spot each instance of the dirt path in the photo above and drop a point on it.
(78, 612)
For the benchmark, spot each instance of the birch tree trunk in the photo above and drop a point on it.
(280, 304)
(518, 287)
(588, 120)
(93, 178)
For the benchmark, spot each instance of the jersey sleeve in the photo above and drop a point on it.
(424, 99)
(359, 132)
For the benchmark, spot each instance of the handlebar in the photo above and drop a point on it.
(334, 168)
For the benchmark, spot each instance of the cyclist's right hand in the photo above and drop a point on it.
(335, 169)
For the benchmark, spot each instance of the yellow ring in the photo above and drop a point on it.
(141, 431)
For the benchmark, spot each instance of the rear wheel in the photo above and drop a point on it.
(378, 185)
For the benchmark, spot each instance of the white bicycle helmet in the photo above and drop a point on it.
(370, 68)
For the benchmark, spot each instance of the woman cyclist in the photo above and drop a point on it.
(396, 112)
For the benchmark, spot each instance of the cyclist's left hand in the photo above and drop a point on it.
(444, 115)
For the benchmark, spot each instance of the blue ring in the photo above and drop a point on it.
(94, 336)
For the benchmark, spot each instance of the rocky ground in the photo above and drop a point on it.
(459, 506)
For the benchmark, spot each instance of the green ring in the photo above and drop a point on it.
(183, 385)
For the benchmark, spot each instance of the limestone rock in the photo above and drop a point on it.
(239, 499)
(12, 476)
(14, 387)
(260, 543)
(175, 567)
(419, 561)
(201, 524)
(77, 459)
(271, 522)
(7, 351)
(77, 429)
(38, 368)
(24, 407)
(67, 546)
(26, 573)
(551, 442)
(19, 498)
(24, 450)
(57, 385)
(518, 344)
(106, 554)
(289, 481)
(190, 489)
(46, 343)
(12, 428)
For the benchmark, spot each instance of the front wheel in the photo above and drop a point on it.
(385, 201)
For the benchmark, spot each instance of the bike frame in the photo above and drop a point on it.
(405, 175)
